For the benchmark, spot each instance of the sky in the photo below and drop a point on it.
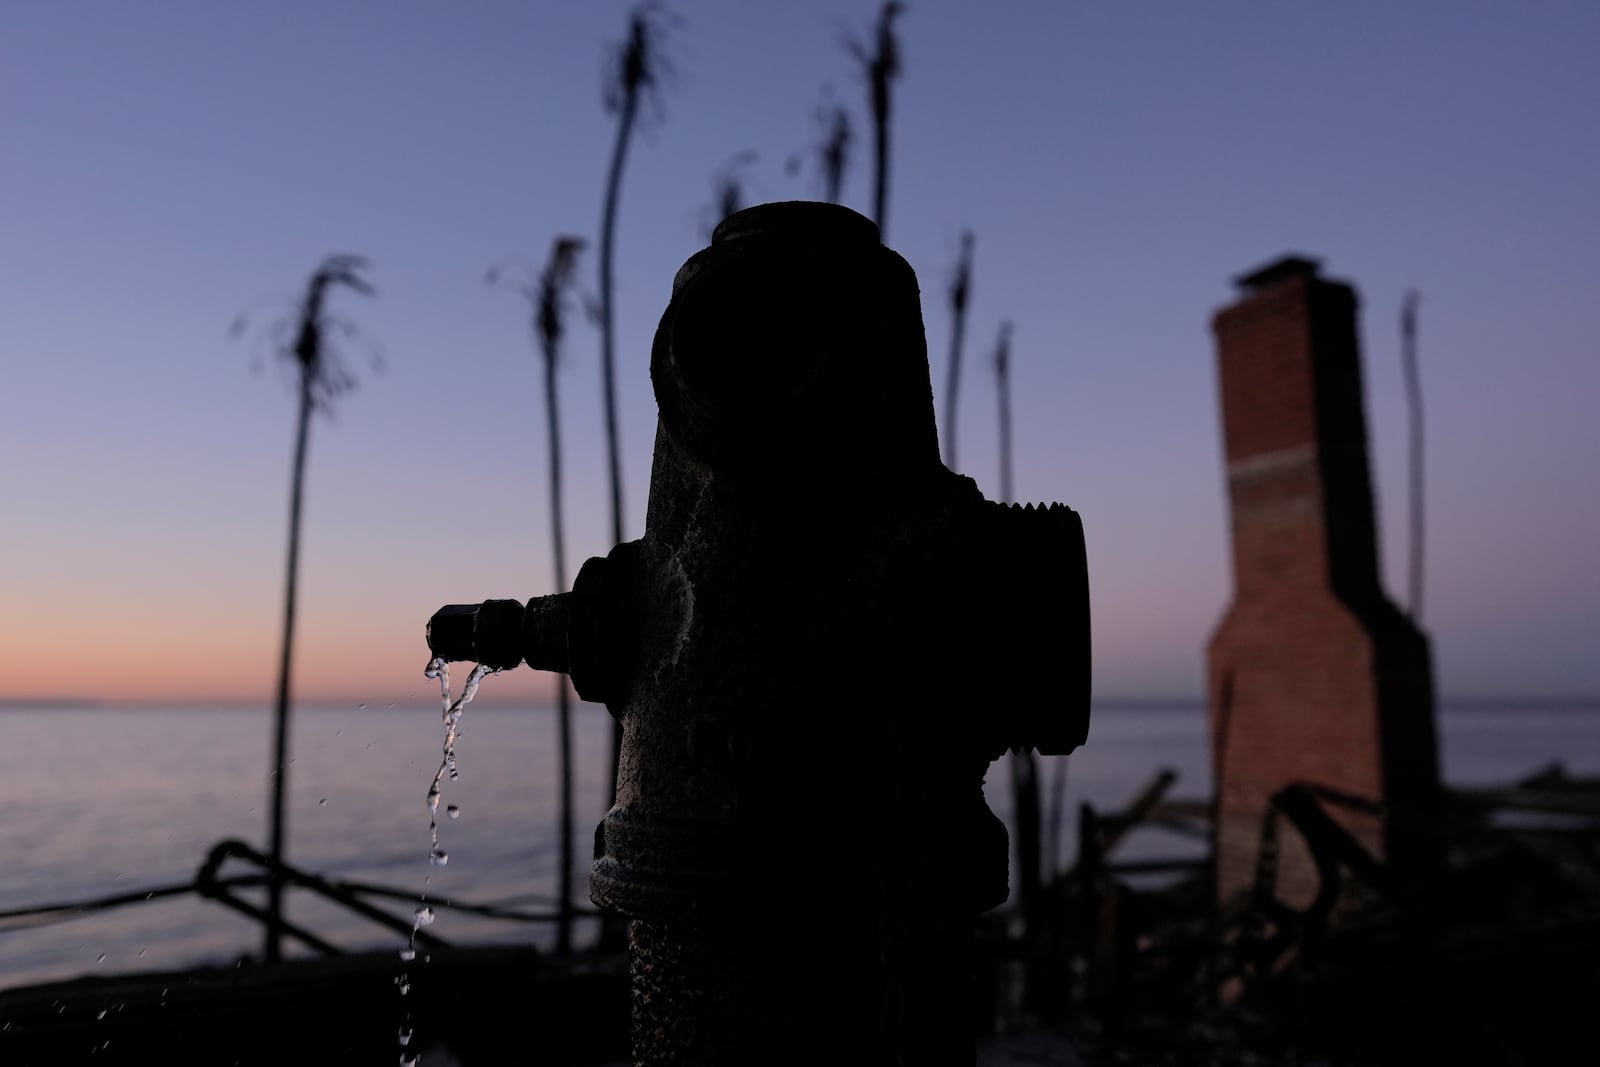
(164, 167)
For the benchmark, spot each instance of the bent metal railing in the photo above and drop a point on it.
(209, 883)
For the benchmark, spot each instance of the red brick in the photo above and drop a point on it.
(1315, 675)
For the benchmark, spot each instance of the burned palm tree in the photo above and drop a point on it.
(1408, 356)
(1002, 378)
(321, 377)
(727, 190)
(881, 65)
(1024, 765)
(547, 295)
(960, 292)
(832, 150)
(638, 66)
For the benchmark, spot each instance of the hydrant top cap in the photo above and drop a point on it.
(805, 216)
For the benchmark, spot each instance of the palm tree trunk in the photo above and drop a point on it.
(280, 753)
(880, 196)
(958, 334)
(563, 697)
(608, 228)
(1002, 374)
(1408, 330)
(835, 179)
(1024, 765)
(1025, 802)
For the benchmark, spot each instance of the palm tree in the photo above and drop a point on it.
(727, 190)
(960, 292)
(1002, 377)
(832, 150)
(638, 66)
(1024, 765)
(881, 65)
(1408, 356)
(835, 149)
(322, 378)
(548, 298)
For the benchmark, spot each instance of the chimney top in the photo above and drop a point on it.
(1287, 267)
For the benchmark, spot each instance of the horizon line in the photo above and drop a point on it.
(1534, 700)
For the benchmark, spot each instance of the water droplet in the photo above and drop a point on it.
(423, 915)
(322, 803)
(405, 987)
(433, 799)
(405, 1035)
(408, 1061)
(454, 811)
(102, 1014)
(338, 733)
(408, 953)
(360, 706)
(439, 857)
(141, 951)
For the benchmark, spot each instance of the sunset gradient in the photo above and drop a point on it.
(165, 167)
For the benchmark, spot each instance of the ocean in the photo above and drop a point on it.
(112, 800)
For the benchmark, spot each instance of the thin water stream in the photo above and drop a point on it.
(437, 856)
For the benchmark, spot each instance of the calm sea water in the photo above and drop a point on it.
(110, 800)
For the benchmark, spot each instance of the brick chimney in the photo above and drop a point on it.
(1315, 676)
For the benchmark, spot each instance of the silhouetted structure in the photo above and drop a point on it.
(547, 297)
(727, 189)
(1418, 505)
(816, 650)
(960, 295)
(880, 64)
(1316, 678)
(638, 66)
(320, 378)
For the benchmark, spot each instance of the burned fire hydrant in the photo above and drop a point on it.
(817, 648)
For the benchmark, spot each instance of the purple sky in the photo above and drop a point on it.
(163, 166)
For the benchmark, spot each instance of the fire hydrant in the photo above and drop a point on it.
(820, 643)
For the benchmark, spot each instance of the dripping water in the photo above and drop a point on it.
(423, 915)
